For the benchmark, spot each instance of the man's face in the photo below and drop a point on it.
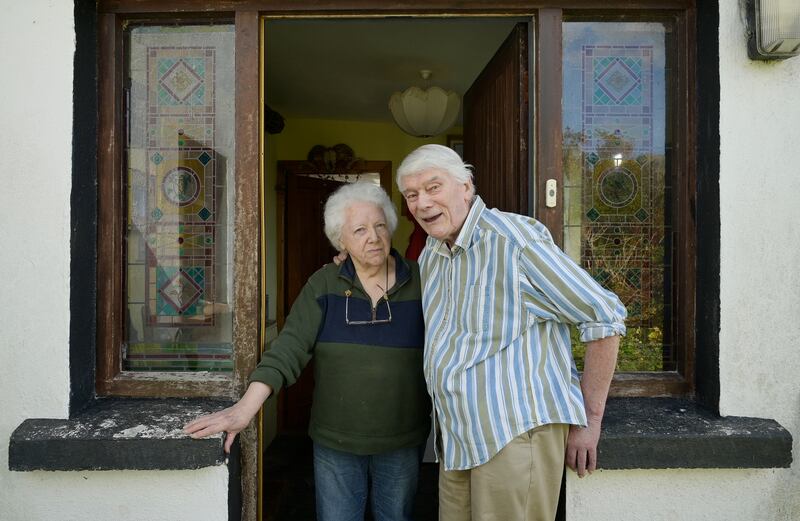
(438, 202)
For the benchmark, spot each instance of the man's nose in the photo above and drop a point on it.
(423, 201)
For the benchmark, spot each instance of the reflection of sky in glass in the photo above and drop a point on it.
(578, 34)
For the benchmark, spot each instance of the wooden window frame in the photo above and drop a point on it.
(679, 382)
(111, 272)
(113, 14)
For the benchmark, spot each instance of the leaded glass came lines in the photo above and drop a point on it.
(615, 182)
(179, 178)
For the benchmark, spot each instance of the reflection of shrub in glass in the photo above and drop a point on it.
(624, 259)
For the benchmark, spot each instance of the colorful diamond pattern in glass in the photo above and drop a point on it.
(181, 177)
(179, 313)
(179, 290)
(617, 81)
(181, 81)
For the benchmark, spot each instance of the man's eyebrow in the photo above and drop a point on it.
(433, 179)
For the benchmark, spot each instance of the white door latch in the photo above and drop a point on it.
(550, 189)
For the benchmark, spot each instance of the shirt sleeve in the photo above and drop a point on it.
(282, 363)
(556, 288)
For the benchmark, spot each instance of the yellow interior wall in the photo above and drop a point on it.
(372, 141)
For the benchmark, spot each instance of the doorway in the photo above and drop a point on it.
(330, 80)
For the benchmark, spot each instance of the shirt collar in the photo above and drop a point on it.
(464, 239)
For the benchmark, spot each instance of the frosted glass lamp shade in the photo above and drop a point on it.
(425, 113)
(773, 29)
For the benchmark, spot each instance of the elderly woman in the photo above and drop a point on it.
(362, 323)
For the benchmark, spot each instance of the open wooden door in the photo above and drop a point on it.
(496, 127)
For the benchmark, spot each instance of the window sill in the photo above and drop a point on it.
(147, 434)
(640, 384)
(118, 434)
(138, 384)
(663, 433)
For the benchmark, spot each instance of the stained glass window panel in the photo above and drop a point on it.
(179, 92)
(616, 184)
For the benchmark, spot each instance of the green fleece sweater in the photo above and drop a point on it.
(369, 392)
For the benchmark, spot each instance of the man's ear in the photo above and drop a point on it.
(470, 187)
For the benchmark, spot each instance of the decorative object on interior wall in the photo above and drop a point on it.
(273, 121)
(773, 29)
(338, 162)
(425, 112)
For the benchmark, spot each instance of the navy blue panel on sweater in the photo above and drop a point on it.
(407, 329)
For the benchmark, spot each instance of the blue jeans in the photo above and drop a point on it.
(342, 482)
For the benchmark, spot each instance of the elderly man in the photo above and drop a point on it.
(499, 298)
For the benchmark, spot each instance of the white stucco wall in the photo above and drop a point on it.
(125, 496)
(760, 303)
(760, 180)
(36, 60)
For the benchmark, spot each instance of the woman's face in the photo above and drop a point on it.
(365, 234)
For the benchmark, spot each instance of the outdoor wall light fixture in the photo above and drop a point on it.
(425, 112)
(773, 29)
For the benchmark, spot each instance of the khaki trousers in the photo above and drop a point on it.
(520, 483)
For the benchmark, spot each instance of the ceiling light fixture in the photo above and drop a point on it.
(425, 112)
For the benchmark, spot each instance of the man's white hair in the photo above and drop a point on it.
(438, 157)
(348, 194)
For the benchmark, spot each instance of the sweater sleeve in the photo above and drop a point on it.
(291, 351)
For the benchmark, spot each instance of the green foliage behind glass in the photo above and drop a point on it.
(634, 355)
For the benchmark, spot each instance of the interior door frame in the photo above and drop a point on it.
(285, 169)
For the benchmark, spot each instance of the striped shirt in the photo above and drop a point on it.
(498, 306)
